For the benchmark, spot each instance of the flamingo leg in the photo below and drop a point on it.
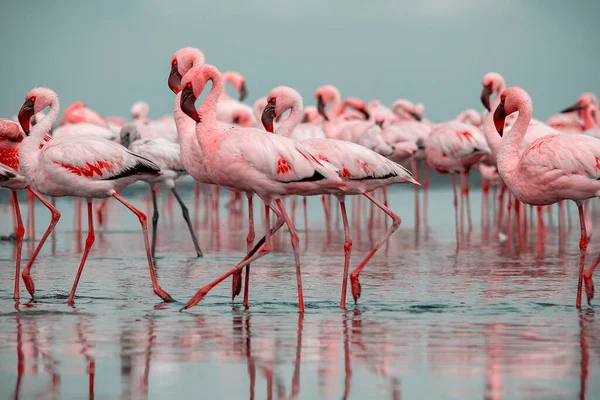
(295, 240)
(31, 215)
(100, 211)
(501, 207)
(468, 200)
(583, 242)
(508, 226)
(186, 217)
(14, 215)
(327, 224)
(415, 171)
(20, 232)
(356, 288)
(455, 208)
(154, 220)
(540, 212)
(347, 251)
(26, 275)
(589, 282)
(88, 246)
(143, 221)
(249, 243)
(425, 196)
(518, 223)
(304, 204)
(262, 248)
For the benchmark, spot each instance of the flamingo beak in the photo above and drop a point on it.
(575, 107)
(243, 91)
(25, 114)
(486, 93)
(236, 120)
(499, 118)
(267, 117)
(415, 115)
(187, 103)
(365, 113)
(379, 123)
(174, 81)
(321, 107)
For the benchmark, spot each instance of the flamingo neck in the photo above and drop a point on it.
(31, 146)
(208, 129)
(489, 130)
(185, 131)
(224, 96)
(588, 117)
(291, 121)
(334, 109)
(509, 154)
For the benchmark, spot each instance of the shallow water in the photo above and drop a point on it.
(431, 323)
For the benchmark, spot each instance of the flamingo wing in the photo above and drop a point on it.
(96, 159)
(457, 140)
(165, 153)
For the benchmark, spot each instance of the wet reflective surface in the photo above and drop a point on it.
(431, 322)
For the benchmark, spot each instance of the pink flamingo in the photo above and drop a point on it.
(78, 113)
(249, 160)
(361, 170)
(569, 120)
(12, 178)
(167, 155)
(551, 169)
(84, 167)
(227, 105)
(455, 147)
(258, 106)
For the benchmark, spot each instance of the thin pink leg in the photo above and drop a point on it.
(508, 225)
(455, 209)
(26, 275)
(518, 223)
(583, 242)
(31, 215)
(347, 251)
(295, 239)
(20, 232)
(501, 207)
(540, 213)
(249, 243)
(327, 224)
(468, 200)
(14, 215)
(88, 246)
(100, 211)
(415, 171)
(385, 203)
(589, 282)
(304, 201)
(262, 248)
(356, 288)
(144, 222)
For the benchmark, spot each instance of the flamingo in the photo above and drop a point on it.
(569, 120)
(249, 160)
(227, 105)
(551, 169)
(12, 178)
(78, 113)
(151, 129)
(455, 147)
(85, 167)
(361, 170)
(167, 155)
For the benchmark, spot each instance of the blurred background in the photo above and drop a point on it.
(110, 54)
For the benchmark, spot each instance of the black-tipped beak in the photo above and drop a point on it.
(499, 118)
(267, 117)
(415, 116)
(174, 81)
(25, 114)
(486, 93)
(305, 119)
(365, 113)
(187, 103)
(243, 91)
(575, 107)
(321, 108)
(379, 123)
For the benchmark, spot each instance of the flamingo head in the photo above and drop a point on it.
(405, 109)
(35, 101)
(584, 101)
(268, 114)
(238, 81)
(326, 95)
(510, 101)
(492, 82)
(193, 84)
(181, 62)
(242, 117)
(129, 133)
(359, 105)
(140, 110)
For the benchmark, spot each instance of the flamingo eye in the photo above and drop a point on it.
(272, 100)
(189, 85)
(174, 62)
(32, 98)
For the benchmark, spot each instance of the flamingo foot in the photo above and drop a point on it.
(196, 299)
(28, 283)
(589, 287)
(356, 287)
(236, 284)
(163, 295)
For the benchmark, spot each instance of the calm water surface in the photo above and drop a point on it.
(432, 322)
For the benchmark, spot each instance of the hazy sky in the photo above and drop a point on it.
(111, 53)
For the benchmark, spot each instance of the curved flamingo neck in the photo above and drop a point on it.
(334, 109)
(291, 121)
(225, 78)
(208, 111)
(509, 155)
(489, 130)
(32, 144)
(588, 117)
